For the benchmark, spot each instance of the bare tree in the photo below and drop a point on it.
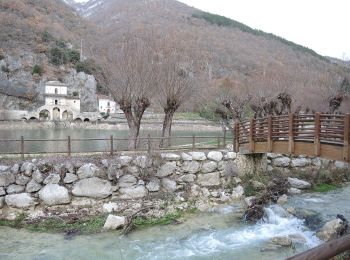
(176, 80)
(131, 78)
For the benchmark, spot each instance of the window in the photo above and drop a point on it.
(56, 90)
(108, 104)
(56, 102)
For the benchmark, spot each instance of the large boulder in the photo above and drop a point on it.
(237, 192)
(114, 222)
(209, 167)
(299, 184)
(124, 160)
(2, 191)
(54, 194)
(38, 176)
(22, 200)
(27, 168)
(282, 241)
(70, 178)
(153, 185)
(187, 178)
(281, 162)
(300, 162)
(134, 192)
(186, 157)
(230, 156)
(166, 169)
(191, 167)
(14, 188)
(168, 185)
(93, 188)
(209, 179)
(33, 186)
(198, 156)
(7, 178)
(170, 157)
(4, 168)
(215, 156)
(22, 179)
(127, 181)
(53, 178)
(88, 170)
(332, 229)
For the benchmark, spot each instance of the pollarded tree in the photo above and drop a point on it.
(131, 69)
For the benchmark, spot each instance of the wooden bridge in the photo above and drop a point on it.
(321, 135)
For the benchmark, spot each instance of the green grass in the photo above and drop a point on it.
(324, 187)
(188, 116)
(170, 218)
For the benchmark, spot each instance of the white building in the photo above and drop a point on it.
(107, 105)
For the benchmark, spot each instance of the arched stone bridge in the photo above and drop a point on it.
(321, 135)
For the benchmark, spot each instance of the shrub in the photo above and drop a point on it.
(58, 56)
(37, 69)
(5, 69)
(46, 37)
(75, 93)
(73, 56)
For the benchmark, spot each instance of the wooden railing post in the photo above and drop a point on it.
(236, 138)
(218, 141)
(69, 146)
(346, 156)
(149, 148)
(251, 136)
(193, 142)
(269, 134)
(22, 147)
(224, 137)
(112, 145)
(317, 141)
(290, 134)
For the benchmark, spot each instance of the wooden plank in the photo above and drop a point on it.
(332, 152)
(69, 146)
(22, 147)
(280, 147)
(290, 135)
(236, 138)
(346, 137)
(317, 141)
(111, 148)
(269, 134)
(251, 139)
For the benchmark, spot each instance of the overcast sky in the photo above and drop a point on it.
(321, 25)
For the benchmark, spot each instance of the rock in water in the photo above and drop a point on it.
(299, 184)
(114, 222)
(332, 229)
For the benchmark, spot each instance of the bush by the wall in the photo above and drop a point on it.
(37, 69)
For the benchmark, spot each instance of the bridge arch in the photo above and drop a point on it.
(44, 115)
(56, 114)
(67, 115)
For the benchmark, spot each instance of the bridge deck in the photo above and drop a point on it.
(326, 136)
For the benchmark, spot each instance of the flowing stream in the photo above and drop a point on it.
(218, 234)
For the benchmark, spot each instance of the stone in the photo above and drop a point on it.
(186, 157)
(38, 176)
(249, 201)
(273, 155)
(191, 167)
(222, 165)
(282, 200)
(230, 156)
(134, 192)
(110, 207)
(209, 167)
(14, 188)
(281, 241)
(153, 185)
(341, 165)
(53, 178)
(198, 156)
(231, 169)
(168, 185)
(2, 202)
(297, 238)
(205, 192)
(166, 169)
(22, 179)
(170, 157)
(141, 182)
(141, 161)
(237, 192)
(195, 190)
(70, 178)
(88, 170)
(132, 169)
(236, 180)
(69, 167)
(27, 168)
(2, 191)
(105, 163)
(300, 162)
(127, 181)
(4, 168)
(7, 178)
(281, 162)
(188, 178)
(54, 194)
(215, 156)
(15, 168)
(124, 160)
(258, 185)
(331, 230)
(22, 200)
(33, 186)
(114, 222)
(92, 188)
(114, 172)
(294, 191)
(299, 184)
(209, 179)
(316, 162)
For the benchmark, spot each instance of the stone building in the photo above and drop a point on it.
(107, 105)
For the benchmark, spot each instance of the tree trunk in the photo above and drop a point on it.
(166, 131)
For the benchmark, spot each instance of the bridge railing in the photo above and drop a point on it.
(316, 128)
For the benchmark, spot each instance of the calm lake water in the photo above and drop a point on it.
(88, 146)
